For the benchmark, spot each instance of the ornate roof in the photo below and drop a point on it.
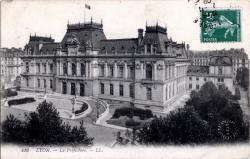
(119, 46)
(83, 34)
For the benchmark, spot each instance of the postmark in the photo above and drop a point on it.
(220, 25)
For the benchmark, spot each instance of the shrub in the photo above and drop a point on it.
(83, 108)
(127, 111)
(132, 123)
(21, 101)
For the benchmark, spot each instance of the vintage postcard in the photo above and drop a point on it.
(125, 79)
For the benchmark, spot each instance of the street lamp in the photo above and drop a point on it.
(73, 101)
(45, 95)
(97, 108)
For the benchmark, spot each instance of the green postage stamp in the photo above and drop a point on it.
(220, 25)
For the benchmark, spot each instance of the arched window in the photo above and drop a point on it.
(149, 71)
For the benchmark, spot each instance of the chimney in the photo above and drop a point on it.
(140, 35)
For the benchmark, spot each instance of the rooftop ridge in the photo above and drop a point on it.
(125, 39)
(156, 29)
(85, 25)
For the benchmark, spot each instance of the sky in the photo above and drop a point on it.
(121, 19)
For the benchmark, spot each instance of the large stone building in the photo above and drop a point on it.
(149, 70)
(219, 70)
(10, 65)
(238, 56)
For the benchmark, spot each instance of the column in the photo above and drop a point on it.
(87, 69)
(58, 68)
(145, 49)
(78, 68)
(61, 67)
(142, 71)
(151, 48)
(47, 68)
(115, 70)
(105, 70)
(69, 68)
(125, 70)
(90, 69)
(155, 72)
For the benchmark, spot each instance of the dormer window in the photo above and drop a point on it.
(113, 50)
(122, 49)
(148, 48)
(103, 50)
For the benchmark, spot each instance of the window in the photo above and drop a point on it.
(190, 86)
(197, 86)
(44, 83)
(111, 89)
(190, 78)
(51, 68)
(131, 90)
(65, 69)
(220, 79)
(38, 83)
(82, 89)
(101, 71)
(73, 68)
(38, 68)
(83, 69)
(205, 79)
(220, 71)
(121, 90)
(27, 82)
(120, 75)
(64, 87)
(102, 88)
(149, 71)
(50, 84)
(131, 72)
(197, 78)
(113, 50)
(111, 71)
(166, 92)
(73, 88)
(27, 67)
(148, 48)
(44, 68)
(149, 93)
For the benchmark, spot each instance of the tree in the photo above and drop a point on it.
(242, 77)
(44, 126)
(216, 106)
(13, 130)
(183, 126)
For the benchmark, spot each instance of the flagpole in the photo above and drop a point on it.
(84, 12)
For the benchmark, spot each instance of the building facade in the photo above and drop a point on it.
(10, 65)
(238, 56)
(219, 71)
(149, 70)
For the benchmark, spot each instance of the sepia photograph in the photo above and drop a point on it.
(125, 79)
